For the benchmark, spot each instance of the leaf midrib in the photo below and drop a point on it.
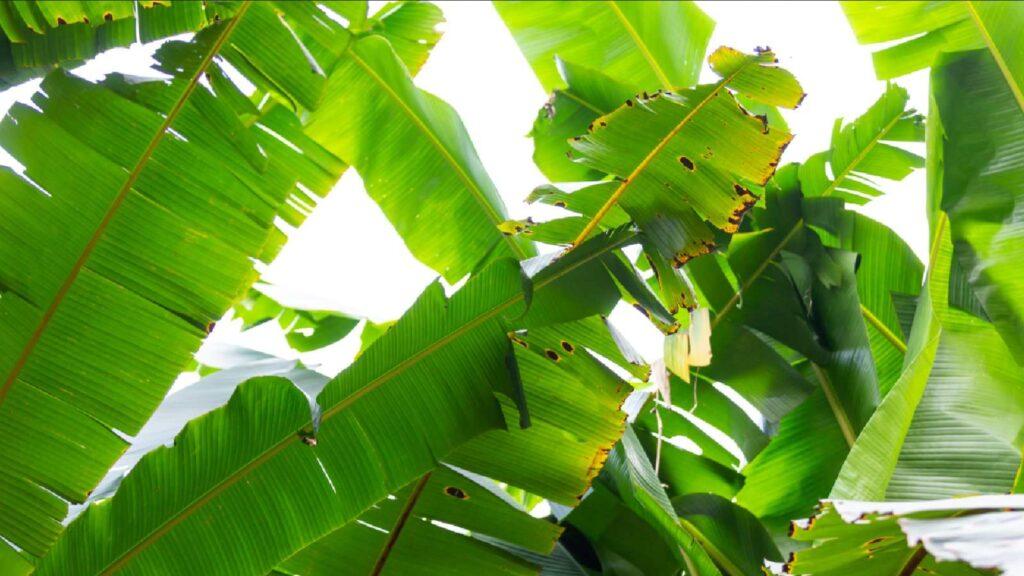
(259, 460)
(115, 206)
(861, 155)
(996, 54)
(474, 189)
(644, 50)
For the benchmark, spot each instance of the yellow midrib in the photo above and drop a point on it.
(265, 456)
(492, 213)
(644, 50)
(614, 198)
(996, 54)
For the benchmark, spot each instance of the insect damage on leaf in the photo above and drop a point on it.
(456, 492)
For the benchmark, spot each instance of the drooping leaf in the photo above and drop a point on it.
(415, 159)
(571, 396)
(888, 269)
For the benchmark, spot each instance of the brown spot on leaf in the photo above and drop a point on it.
(568, 347)
(456, 492)
(560, 203)
(764, 122)
(107, 16)
(642, 310)
(629, 103)
(681, 258)
(61, 21)
(552, 355)
(688, 163)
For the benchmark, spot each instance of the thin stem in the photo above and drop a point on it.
(417, 490)
(833, 402)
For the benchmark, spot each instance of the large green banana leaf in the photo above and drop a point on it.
(128, 247)
(178, 200)
(592, 57)
(982, 114)
(574, 421)
(572, 398)
(315, 474)
(683, 158)
(956, 537)
(461, 345)
(950, 424)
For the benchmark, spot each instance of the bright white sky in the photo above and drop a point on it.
(347, 253)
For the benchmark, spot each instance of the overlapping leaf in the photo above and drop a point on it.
(358, 458)
(647, 45)
(259, 457)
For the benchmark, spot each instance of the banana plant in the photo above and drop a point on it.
(808, 353)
